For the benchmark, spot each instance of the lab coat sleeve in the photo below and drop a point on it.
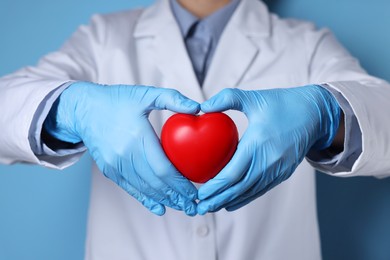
(27, 95)
(366, 100)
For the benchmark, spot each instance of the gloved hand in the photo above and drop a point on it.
(284, 124)
(112, 121)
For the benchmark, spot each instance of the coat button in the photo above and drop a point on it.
(202, 231)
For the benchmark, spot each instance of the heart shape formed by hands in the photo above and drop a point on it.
(199, 146)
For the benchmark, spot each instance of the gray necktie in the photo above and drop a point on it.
(198, 42)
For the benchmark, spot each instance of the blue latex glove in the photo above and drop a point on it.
(112, 121)
(284, 124)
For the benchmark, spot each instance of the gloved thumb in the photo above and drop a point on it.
(226, 99)
(173, 100)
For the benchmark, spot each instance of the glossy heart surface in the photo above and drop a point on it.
(199, 146)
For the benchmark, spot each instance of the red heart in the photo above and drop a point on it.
(199, 146)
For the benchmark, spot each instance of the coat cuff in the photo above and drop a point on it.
(329, 162)
(48, 154)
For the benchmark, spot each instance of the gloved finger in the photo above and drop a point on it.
(131, 179)
(249, 197)
(173, 100)
(150, 204)
(131, 164)
(140, 179)
(258, 190)
(141, 176)
(230, 194)
(224, 100)
(219, 201)
(168, 196)
(232, 173)
(165, 170)
(166, 178)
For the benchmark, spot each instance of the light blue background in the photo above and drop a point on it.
(43, 212)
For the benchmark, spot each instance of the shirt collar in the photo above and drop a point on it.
(215, 22)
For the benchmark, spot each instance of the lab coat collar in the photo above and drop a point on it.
(249, 22)
(165, 42)
(251, 17)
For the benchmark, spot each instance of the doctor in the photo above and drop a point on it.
(293, 91)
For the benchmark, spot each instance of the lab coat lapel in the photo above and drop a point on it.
(249, 23)
(169, 51)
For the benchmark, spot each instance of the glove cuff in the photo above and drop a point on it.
(55, 128)
(330, 117)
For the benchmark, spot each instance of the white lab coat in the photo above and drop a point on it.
(257, 50)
